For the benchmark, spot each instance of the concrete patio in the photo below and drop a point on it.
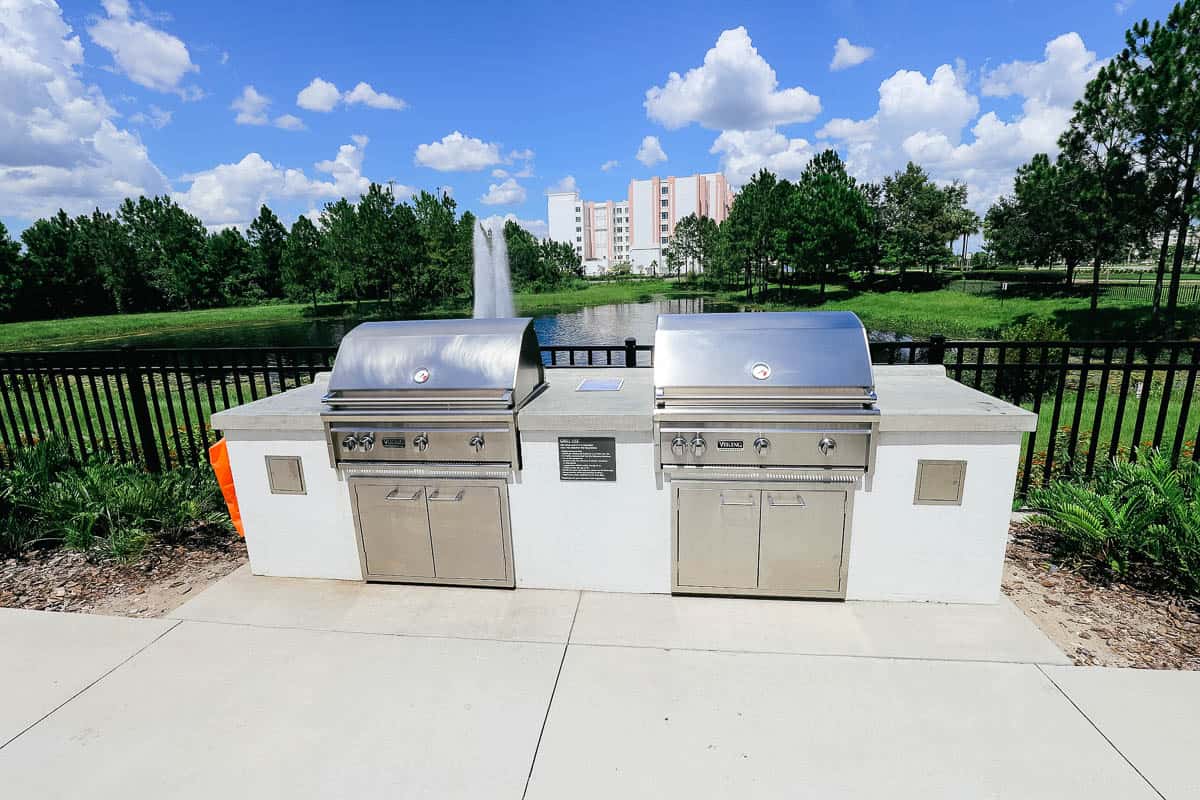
(296, 688)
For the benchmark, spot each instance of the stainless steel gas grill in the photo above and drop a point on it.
(765, 424)
(421, 420)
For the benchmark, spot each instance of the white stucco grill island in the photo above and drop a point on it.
(587, 512)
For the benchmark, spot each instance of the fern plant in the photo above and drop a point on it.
(1142, 513)
(49, 498)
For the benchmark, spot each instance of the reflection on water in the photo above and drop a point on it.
(598, 325)
(607, 325)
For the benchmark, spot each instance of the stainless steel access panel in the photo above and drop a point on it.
(761, 539)
(422, 530)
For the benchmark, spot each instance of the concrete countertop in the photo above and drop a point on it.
(911, 398)
(562, 408)
(294, 410)
(922, 398)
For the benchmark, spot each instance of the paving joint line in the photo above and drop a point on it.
(108, 672)
(397, 634)
(805, 654)
(1103, 735)
(553, 692)
(631, 646)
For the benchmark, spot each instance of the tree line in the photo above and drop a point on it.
(1125, 176)
(152, 255)
(823, 226)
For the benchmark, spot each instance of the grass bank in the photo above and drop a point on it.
(953, 313)
(118, 328)
(959, 315)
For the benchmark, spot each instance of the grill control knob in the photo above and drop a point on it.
(679, 446)
(827, 445)
(476, 442)
(350, 442)
(366, 442)
(761, 445)
(699, 446)
(420, 442)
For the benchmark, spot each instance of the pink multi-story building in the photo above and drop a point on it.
(635, 230)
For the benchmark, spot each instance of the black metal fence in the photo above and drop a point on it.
(1189, 293)
(1095, 400)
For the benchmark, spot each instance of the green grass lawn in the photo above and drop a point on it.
(952, 313)
(961, 315)
(95, 330)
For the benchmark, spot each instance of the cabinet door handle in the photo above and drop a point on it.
(798, 504)
(725, 502)
(436, 495)
(395, 495)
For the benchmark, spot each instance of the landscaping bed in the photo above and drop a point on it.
(1097, 620)
(162, 578)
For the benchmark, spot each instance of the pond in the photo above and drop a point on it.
(599, 325)
(596, 325)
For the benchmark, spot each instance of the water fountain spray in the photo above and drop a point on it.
(493, 286)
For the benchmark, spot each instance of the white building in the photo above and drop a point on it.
(635, 230)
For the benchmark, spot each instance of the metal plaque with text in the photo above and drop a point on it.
(587, 458)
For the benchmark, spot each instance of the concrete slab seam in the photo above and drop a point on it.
(550, 702)
(400, 634)
(803, 654)
(107, 672)
(1103, 735)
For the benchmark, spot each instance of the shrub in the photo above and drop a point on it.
(1130, 515)
(49, 498)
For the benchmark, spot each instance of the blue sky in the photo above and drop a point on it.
(101, 100)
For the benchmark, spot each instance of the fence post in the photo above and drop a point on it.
(140, 406)
(630, 352)
(937, 349)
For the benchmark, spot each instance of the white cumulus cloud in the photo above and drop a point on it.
(506, 193)
(457, 152)
(609, 165)
(59, 144)
(154, 116)
(251, 107)
(937, 122)
(231, 194)
(567, 184)
(846, 55)
(366, 95)
(734, 89)
(743, 153)
(1057, 80)
(319, 95)
(323, 95)
(650, 152)
(146, 55)
(289, 122)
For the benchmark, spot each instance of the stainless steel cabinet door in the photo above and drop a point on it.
(717, 537)
(467, 526)
(394, 527)
(801, 547)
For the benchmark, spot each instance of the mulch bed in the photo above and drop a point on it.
(165, 576)
(1095, 620)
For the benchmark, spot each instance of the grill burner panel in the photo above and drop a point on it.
(429, 392)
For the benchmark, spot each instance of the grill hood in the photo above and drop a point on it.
(806, 357)
(468, 362)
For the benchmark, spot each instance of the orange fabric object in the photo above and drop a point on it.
(218, 455)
